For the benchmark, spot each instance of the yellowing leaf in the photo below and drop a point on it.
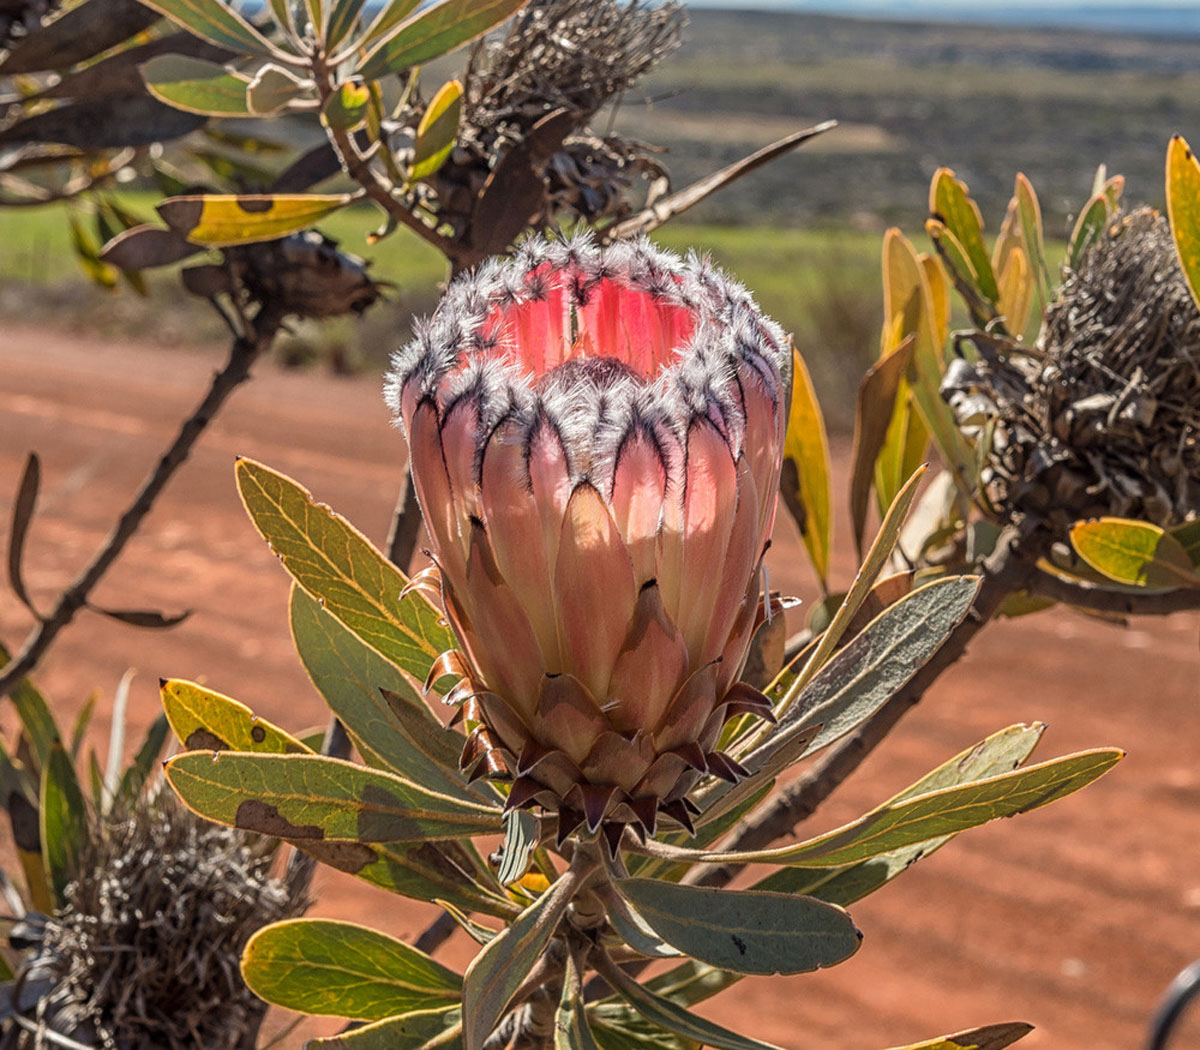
(993, 1037)
(950, 204)
(1029, 211)
(218, 221)
(805, 479)
(204, 720)
(1134, 552)
(1016, 290)
(1183, 209)
(437, 131)
(346, 108)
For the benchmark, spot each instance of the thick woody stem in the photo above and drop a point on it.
(1005, 572)
(246, 349)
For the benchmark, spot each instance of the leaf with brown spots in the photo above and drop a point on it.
(205, 720)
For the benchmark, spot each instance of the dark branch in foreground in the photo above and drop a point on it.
(1101, 599)
(245, 351)
(1008, 570)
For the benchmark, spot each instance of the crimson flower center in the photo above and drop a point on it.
(635, 328)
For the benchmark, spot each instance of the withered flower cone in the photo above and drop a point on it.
(595, 437)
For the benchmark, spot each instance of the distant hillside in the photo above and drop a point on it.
(1157, 19)
(912, 96)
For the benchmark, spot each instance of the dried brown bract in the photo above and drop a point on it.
(145, 956)
(1103, 416)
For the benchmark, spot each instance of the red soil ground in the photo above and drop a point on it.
(1073, 918)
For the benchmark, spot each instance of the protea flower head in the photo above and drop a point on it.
(595, 436)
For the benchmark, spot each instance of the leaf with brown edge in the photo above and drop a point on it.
(205, 720)
(221, 220)
(22, 514)
(1029, 212)
(341, 969)
(1188, 537)
(876, 405)
(804, 482)
(1135, 553)
(1183, 209)
(305, 796)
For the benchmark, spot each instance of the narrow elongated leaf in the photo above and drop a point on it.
(434, 31)
(1134, 552)
(390, 15)
(437, 131)
(105, 123)
(908, 298)
(305, 797)
(616, 1025)
(399, 733)
(950, 203)
(215, 22)
(876, 404)
(804, 483)
(499, 969)
(343, 18)
(205, 720)
(1016, 291)
(422, 1030)
(571, 1030)
(37, 723)
(877, 556)
(1183, 209)
(675, 1018)
(1030, 213)
(340, 969)
(993, 1037)
(693, 982)
(19, 528)
(64, 821)
(340, 568)
(138, 772)
(1000, 753)
(744, 930)
(1088, 229)
(218, 221)
(938, 813)
(196, 86)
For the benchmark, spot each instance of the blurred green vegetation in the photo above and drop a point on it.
(822, 286)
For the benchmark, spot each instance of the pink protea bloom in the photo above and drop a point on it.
(595, 436)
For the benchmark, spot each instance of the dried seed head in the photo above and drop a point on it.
(1103, 417)
(304, 274)
(145, 955)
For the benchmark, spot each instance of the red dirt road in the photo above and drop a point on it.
(1073, 918)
